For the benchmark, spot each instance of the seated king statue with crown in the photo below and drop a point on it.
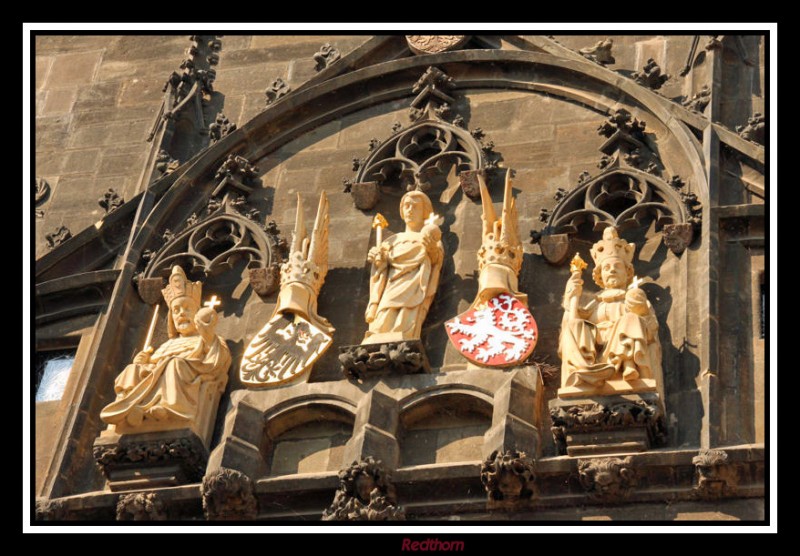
(611, 344)
(178, 385)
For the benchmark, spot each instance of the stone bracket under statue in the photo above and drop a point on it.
(602, 425)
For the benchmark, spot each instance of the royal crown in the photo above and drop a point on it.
(612, 246)
(298, 269)
(180, 286)
(499, 251)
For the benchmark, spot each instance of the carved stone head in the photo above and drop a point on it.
(607, 477)
(508, 475)
(415, 208)
(613, 258)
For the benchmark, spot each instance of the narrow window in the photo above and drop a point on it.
(52, 372)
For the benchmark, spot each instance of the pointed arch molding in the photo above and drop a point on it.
(305, 109)
(646, 195)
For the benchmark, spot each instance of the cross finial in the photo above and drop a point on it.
(434, 219)
(635, 283)
(213, 302)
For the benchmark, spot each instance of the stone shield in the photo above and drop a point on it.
(499, 333)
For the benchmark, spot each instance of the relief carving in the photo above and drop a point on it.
(433, 44)
(650, 76)
(508, 476)
(600, 53)
(276, 90)
(715, 476)
(41, 191)
(141, 506)
(325, 56)
(607, 478)
(50, 509)
(365, 493)
(698, 102)
(110, 201)
(220, 127)
(754, 130)
(188, 453)
(59, 236)
(228, 495)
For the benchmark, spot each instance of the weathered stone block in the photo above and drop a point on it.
(73, 69)
(42, 68)
(99, 95)
(79, 162)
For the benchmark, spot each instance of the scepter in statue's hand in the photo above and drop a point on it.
(574, 286)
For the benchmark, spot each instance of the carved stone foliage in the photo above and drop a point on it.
(622, 121)
(193, 84)
(508, 476)
(229, 231)
(365, 493)
(50, 509)
(715, 476)
(699, 101)
(607, 478)
(360, 361)
(110, 201)
(228, 494)
(650, 76)
(220, 127)
(433, 44)
(189, 455)
(276, 90)
(165, 163)
(600, 53)
(41, 190)
(628, 193)
(596, 417)
(59, 236)
(325, 56)
(754, 130)
(434, 142)
(141, 506)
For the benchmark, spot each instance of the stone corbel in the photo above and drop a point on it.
(609, 479)
(228, 495)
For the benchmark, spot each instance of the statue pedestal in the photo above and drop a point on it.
(150, 460)
(608, 424)
(366, 360)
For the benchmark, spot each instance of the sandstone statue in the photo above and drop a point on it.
(611, 344)
(405, 273)
(179, 384)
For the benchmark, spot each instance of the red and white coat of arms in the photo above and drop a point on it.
(499, 333)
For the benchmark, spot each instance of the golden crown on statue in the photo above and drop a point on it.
(180, 286)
